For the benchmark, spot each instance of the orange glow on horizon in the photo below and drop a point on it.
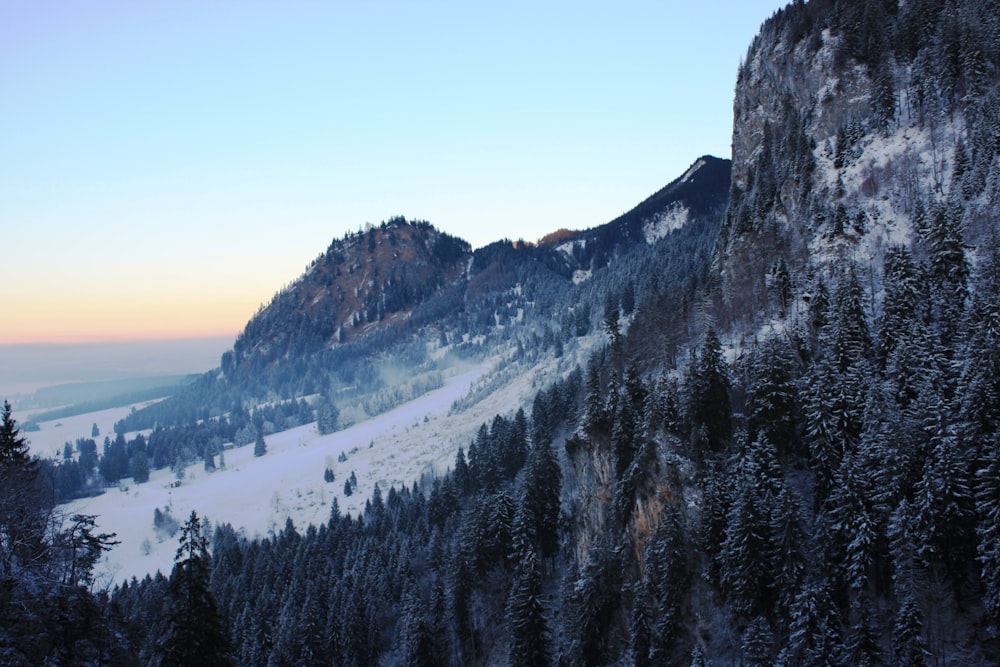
(125, 320)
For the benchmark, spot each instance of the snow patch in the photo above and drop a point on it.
(568, 247)
(675, 217)
(580, 276)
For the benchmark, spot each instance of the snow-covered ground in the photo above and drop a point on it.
(257, 495)
(48, 441)
(673, 218)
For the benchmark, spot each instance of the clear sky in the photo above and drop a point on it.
(167, 165)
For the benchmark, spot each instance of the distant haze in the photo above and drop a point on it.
(25, 368)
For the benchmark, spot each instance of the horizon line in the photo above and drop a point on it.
(103, 340)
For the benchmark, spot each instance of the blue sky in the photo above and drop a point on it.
(166, 166)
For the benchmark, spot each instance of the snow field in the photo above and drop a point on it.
(257, 495)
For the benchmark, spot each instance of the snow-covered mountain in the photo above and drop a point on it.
(761, 410)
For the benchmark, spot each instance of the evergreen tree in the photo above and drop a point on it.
(196, 633)
(904, 294)
(772, 396)
(592, 604)
(814, 636)
(980, 378)
(13, 446)
(418, 645)
(908, 646)
(327, 415)
(883, 95)
(745, 555)
(854, 521)
(945, 505)
(596, 420)
(863, 649)
(540, 494)
(24, 512)
(988, 525)
(949, 273)
(757, 644)
(259, 447)
(848, 338)
(665, 584)
(529, 642)
(708, 385)
(787, 558)
(641, 635)
(461, 475)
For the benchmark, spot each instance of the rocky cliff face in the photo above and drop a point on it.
(851, 121)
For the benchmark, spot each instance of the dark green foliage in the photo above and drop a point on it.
(757, 645)
(327, 416)
(708, 384)
(196, 632)
(908, 646)
(540, 496)
(24, 509)
(592, 606)
(814, 636)
(745, 572)
(47, 612)
(664, 588)
(773, 405)
(525, 616)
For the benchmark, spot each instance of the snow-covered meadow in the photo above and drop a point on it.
(257, 495)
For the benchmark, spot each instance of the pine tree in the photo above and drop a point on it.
(949, 273)
(596, 420)
(908, 647)
(814, 636)
(24, 511)
(744, 558)
(854, 522)
(641, 635)
(529, 642)
(945, 505)
(13, 447)
(863, 648)
(883, 94)
(988, 525)
(665, 583)
(772, 397)
(196, 632)
(259, 447)
(708, 385)
(418, 646)
(980, 378)
(327, 415)
(461, 474)
(592, 603)
(540, 493)
(904, 293)
(787, 557)
(848, 338)
(757, 644)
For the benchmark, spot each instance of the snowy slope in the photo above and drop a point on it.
(257, 495)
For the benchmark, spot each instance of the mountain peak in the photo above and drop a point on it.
(361, 283)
